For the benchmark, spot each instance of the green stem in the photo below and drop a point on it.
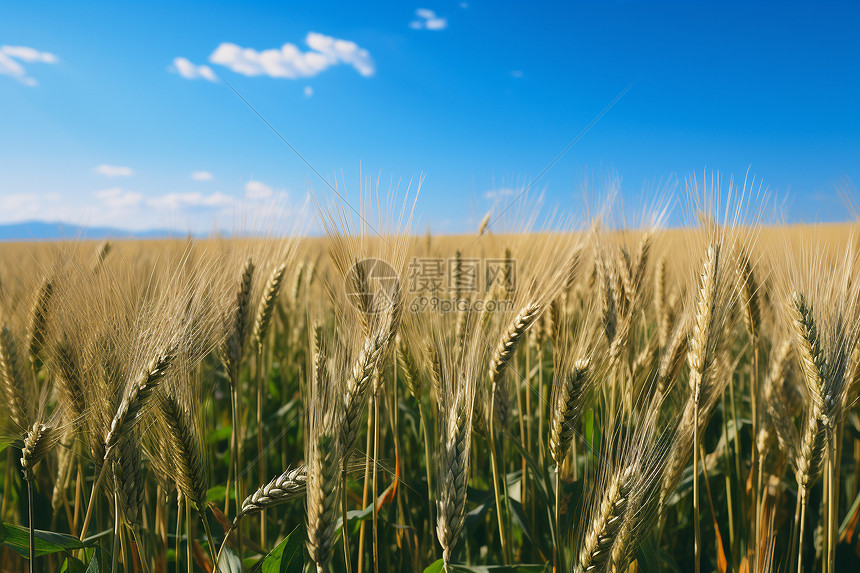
(803, 504)
(798, 501)
(209, 539)
(494, 465)
(114, 554)
(756, 469)
(32, 526)
(188, 523)
(697, 548)
(346, 556)
(556, 565)
(431, 492)
(375, 486)
(7, 479)
(262, 457)
(178, 551)
(236, 461)
(365, 492)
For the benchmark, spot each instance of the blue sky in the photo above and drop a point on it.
(101, 124)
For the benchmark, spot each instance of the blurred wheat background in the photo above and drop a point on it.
(536, 396)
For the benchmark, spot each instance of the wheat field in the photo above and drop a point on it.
(535, 396)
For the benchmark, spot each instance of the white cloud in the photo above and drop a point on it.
(190, 71)
(178, 212)
(499, 193)
(113, 170)
(428, 20)
(177, 201)
(119, 198)
(15, 207)
(202, 176)
(257, 190)
(308, 91)
(12, 56)
(290, 62)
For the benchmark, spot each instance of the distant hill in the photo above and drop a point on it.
(44, 231)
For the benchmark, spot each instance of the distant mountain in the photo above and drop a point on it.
(43, 231)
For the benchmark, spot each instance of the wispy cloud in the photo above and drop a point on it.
(428, 20)
(308, 91)
(118, 198)
(180, 212)
(257, 190)
(202, 176)
(190, 71)
(12, 56)
(290, 62)
(113, 170)
(177, 201)
(498, 193)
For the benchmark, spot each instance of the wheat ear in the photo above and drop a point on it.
(186, 450)
(409, 368)
(812, 359)
(129, 478)
(324, 454)
(453, 477)
(749, 298)
(231, 353)
(660, 301)
(39, 440)
(285, 487)
(39, 319)
(609, 311)
(71, 382)
(607, 522)
(322, 493)
(99, 256)
(267, 305)
(356, 389)
(567, 397)
(134, 402)
(701, 357)
(10, 379)
(510, 340)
